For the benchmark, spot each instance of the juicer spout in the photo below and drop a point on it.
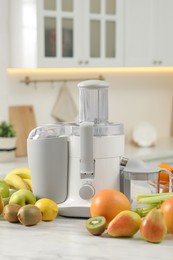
(86, 150)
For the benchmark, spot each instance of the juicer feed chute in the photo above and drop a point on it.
(93, 101)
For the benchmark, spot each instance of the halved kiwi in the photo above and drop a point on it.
(96, 225)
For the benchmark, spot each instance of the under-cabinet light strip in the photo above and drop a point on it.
(91, 70)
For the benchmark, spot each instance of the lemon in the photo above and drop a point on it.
(48, 207)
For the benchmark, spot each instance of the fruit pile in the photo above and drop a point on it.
(19, 204)
(111, 213)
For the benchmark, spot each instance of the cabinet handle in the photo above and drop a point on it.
(86, 62)
(80, 61)
(157, 62)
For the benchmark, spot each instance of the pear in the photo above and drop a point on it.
(153, 227)
(125, 224)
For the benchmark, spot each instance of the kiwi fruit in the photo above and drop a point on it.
(29, 215)
(10, 212)
(96, 225)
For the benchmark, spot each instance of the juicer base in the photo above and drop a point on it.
(73, 209)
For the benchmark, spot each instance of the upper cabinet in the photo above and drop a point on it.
(90, 33)
(80, 33)
(66, 33)
(148, 35)
(164, 32)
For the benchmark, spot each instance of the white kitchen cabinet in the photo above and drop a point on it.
(148, 33)
(66, 33)
(164, 27)
(75, 33)
(57, 39)
(22, 34)
(102, 32)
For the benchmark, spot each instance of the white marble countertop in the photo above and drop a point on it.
(162, 151)
(67, 239)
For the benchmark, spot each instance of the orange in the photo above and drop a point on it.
(108, 203)
(163, 176)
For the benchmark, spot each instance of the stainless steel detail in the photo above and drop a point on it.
(123, 161)
(137, 170)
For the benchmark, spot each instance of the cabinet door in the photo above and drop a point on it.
(102, 33)
(139, 32)
(22, 34)
(56, 33)
(164, 32)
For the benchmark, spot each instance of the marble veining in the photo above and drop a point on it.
(67, 239)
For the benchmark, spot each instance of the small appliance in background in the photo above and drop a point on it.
(69, 162)
(144, 135)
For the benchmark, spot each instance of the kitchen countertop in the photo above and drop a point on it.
(18, 162)
(162, 151)
(67, 238)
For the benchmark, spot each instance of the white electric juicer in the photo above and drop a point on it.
(69, 162)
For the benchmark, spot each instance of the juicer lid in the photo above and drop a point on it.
(73, 129)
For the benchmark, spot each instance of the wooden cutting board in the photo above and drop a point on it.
(23, 120)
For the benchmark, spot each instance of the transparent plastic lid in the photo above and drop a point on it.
(93, 101)
(73, 129)
(47, 131)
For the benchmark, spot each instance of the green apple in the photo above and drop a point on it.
(4, 189)
(6, 199)
(22, 197)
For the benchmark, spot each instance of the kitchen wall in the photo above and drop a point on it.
(134, 96)
(3, 59)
